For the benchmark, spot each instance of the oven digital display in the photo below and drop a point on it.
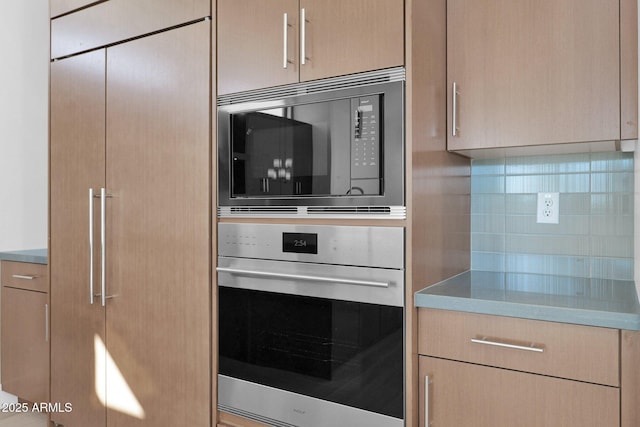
(301, 243)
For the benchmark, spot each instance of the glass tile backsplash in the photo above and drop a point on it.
(594, 236)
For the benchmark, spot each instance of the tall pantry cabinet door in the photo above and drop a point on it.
(255, 49)
(77, 163)
(532, 72)
(158, 228)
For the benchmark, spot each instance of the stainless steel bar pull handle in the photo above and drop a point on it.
(285, 42)
(303, 37)
(46, 322)
(486, 341)
(91, 278)
(24, 277)
(427, 423)
(324, 279)
(454, 110)
(103, 246)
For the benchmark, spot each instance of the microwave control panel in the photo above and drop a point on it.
(365, 145)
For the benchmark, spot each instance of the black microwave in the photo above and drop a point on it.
(328, 148)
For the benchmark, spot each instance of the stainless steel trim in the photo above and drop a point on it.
(303, 37)
(390, 296)
(333, 212)
(21, 276)
(285, 42)
(91, 276)
(287, 409)
(389, 75)
(46, 322)
(427, 423)
(302, 277)
(103, 245)
(485, 341)
(454, 110)
(364, 246)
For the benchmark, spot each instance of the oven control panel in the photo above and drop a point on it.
(340, 245)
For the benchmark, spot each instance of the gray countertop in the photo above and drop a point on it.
(593, 302)
(37, 256)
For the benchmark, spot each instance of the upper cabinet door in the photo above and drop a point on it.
(268, 43)
(342, 37)
(255, 47)
(532, 72)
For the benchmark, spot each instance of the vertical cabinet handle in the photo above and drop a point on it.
(91, 278)
(285, 42)
(46, 322)
(427, 422)
(454, 112)
(103, 254)
(303, 37)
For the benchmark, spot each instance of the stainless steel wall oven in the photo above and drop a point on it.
(331, 147)
(311, 324)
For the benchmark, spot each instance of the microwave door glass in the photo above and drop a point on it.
(328, 148)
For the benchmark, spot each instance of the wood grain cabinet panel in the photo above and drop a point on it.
(256, 49)
(532, 72)
(25, 344)
(60, 7)
(115, 21)
(568, 351)
(468, 395)
(133, 119)
(25, 275)
(25, 330)
(523, 372)
(253, 44)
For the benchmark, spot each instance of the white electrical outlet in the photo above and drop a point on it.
(548, 208)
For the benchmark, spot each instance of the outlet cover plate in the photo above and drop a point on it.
(548, 211)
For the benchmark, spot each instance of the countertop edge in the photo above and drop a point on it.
(532, 312)
(35, 256)
(439, 299)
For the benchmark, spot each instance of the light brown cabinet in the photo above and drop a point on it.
(507, 371)
(112, 21)
(133, 119)
(533, 73)
(264, 44)
(25, 331)
(60, 7)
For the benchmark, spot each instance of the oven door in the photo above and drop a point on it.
(311, 344)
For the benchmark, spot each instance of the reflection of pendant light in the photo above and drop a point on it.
(280, 172)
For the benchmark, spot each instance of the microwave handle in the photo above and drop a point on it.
(324, 279)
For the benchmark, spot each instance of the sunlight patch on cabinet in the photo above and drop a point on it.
(118, 395)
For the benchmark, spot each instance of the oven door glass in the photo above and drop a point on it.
(328, 148)
(345, 352)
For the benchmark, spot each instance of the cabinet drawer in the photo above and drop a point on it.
(576, 352)
(25, 275)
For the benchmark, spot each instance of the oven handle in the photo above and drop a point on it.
(239, 271)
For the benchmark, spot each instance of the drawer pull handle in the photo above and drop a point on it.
(20, 276)
(485, 341)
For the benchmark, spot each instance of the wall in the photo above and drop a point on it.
(24, 74)
(594, 237)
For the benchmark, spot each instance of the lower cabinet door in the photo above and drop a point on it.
(25, 344)
(458, 394)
